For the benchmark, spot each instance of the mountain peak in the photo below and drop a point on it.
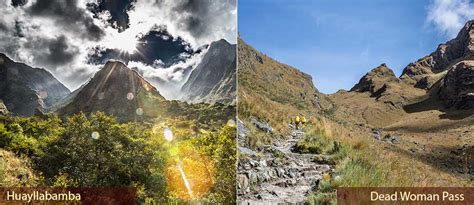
(383, 70)
(114, 62)
(469, 25)
(465, 36)
(214, 79)
(220, 44)
(118, 90)
(111, 64)
(375, 79)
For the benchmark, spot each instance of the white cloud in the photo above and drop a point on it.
(168, 80)
(218, 21)
(214, 21)
(450, 15)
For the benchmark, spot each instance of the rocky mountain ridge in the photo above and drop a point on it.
(446, 75)
(26, 90)
(214, 79)
(423, 72)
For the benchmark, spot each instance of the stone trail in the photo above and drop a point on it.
(277, 174)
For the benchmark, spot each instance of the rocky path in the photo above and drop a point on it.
(277, 174)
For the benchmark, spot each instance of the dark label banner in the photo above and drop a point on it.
(83, 196)
(406, 195)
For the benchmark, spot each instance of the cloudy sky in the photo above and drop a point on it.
(337, 42)
(164, 39)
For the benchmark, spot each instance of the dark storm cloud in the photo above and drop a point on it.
(3, 27)
(195, 21)
(119, 18)
(19, 29)
(54, 52)
(66, 13)
(17, 3)
(157, 44)
(200, 14)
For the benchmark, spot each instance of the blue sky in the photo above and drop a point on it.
(337, 42)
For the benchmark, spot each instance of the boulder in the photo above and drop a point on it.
(377, 134)
(243, 182)
(242, 133)
(264, 126)
(247, 151)
(391, 138)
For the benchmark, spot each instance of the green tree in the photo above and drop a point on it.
(221, 148)
(100, 152)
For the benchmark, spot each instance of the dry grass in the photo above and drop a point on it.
(15, 171)
(400, 170)
(363, 162)
(272, 90)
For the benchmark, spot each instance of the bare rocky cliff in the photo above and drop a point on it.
(214, 79)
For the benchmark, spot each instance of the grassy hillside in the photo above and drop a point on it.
(274, 91)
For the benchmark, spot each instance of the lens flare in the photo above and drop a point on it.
(168, 134)
(139, 111)
(189, 173)
(130, 96)
(185, 180)
(231, 123)
(95, 135)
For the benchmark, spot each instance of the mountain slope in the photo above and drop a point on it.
(118, 90)
(214, 79)
(378, 99)
(24, 89)
(265, 84)
(429, 69)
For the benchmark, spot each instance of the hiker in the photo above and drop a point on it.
(303, 121)
(297, 122)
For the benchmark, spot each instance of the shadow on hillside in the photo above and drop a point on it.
(424, 105)
(431, 103)
(453, 160)
(456, 114)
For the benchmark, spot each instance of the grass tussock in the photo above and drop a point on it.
(256, 105)
(258, 138)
